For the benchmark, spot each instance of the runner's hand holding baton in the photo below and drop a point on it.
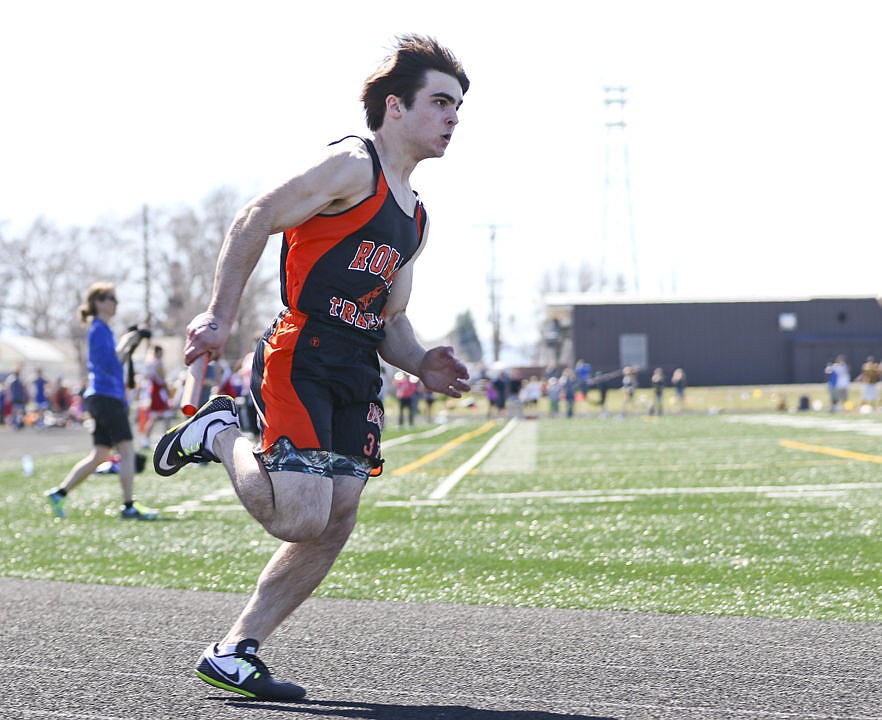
(196, 371)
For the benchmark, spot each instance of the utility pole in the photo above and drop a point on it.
(493, 283)
(146, 245)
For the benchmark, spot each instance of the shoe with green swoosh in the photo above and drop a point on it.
(192, 440)
(244, 673)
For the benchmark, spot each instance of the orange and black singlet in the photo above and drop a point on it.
(339, 268)
(315, 378)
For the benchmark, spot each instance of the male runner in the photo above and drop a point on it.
(353, 228)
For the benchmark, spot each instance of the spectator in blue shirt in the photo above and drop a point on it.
(106, 403)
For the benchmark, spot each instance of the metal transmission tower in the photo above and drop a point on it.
(618, 254)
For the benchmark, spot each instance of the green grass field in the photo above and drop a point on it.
(710, 513)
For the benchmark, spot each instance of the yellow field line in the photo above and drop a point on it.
(444, 449)
(835, 452)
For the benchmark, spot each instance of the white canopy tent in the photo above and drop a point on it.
(55, 358)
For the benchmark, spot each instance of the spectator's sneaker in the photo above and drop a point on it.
(191, 441)
(138, 512)
(56, 500)
(243, 672)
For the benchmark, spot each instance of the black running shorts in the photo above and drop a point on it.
(111, 417)
(318, 388)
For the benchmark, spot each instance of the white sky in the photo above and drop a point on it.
(753, 130)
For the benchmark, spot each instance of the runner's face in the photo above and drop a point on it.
(434, 113)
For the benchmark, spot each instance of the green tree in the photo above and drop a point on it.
(465, 338)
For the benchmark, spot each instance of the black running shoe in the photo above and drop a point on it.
(190, 442)
(243, 672)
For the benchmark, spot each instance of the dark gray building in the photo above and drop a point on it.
(717, 342)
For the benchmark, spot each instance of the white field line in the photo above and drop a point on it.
(861, 427)
(199, 503)
(571, 496)
(438, 496)
(517, 454)
(628, 494)
(401, 439)
(451, 480)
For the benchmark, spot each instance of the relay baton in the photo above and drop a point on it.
(193, 385)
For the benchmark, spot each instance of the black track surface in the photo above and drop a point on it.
(88, 652)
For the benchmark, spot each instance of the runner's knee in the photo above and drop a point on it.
(309, 510)
(304, 527)
(302, 486)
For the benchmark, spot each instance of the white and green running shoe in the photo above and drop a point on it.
(243, 672)
(191, 440)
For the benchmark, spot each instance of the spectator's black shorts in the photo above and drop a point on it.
(111, 420)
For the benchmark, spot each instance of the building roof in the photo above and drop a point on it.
(569, 299)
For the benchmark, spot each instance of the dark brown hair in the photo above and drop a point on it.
(403, 74)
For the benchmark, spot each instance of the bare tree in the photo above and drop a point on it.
(44, 270)
(586, 279)
(186, 273)
(116, 255)
(563, 277)
(6, 277)
(546, 284)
